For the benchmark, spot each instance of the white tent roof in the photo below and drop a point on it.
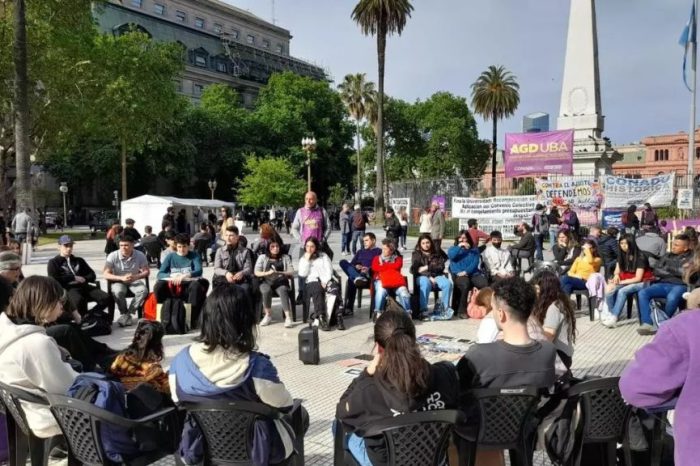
(176, 201)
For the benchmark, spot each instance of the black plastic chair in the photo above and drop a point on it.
(82, 422)
(592, 302)
(369, 287)
(414, 439)
(129, 294)
(21, 440)
(153, 250)
(228, 427)
(506, 421)
(604, 419)
(200, 247)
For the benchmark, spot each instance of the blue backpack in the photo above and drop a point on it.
(109, 395)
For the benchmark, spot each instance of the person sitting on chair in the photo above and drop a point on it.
(130, 230)
(397, 381)
(358, 269)
(525, 248)
(151, 245)
(465, 259)
(586, 264)
(268, 234)
(315, 266)
(388, 278)
(566, 250)
(78, 279)
(181, 276)
(223, 364)
(274, 270)
(496, 259)
(199, 238)
(233, 264)
(428, 269)
(127, 268)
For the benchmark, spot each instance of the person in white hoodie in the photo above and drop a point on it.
(316, 267)
(29, 358)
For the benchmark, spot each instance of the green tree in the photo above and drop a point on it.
(270, 182)
(381, 18)
(336, 197)
(356, 92)
(135, 99)
(495, 95)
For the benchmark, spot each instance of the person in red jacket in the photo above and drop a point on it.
(386, 269)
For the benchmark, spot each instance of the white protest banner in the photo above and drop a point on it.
(624, 192)
(400, 203)
(580, 193)
(500, 213)
(685, 199)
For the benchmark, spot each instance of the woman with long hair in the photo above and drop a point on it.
(630, 221)
(268, 234)
(428, 269)
(224, 364)
(465, 259)
(398, 380)
(588, 263)
(274, 269)
(316, 267)
(632, 273)
(141, 361)
(566, 250)
(553, 311)
(29, 358)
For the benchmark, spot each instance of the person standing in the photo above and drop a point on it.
(554, 220)
(437, 225)
(345, 220)
(392, 227)
(540, 228)
(22, 225)
(403, 221)
(128, 269)
(569, 220)
(649, 217)
(359, 224)
(475, 233)
(310, 221)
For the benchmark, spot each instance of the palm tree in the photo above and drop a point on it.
(381, 18)
(356, 92)
(495, 95)
(21, 108)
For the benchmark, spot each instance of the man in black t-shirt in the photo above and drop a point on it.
(515, 361)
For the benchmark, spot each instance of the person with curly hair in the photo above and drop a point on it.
(140, 362)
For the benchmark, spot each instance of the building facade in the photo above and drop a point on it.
(223, 44)
(536, 123)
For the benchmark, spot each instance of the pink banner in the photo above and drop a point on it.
(539, 153)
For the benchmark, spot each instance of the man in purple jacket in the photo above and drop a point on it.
(310, 221)
(666, 372)
(359, 269)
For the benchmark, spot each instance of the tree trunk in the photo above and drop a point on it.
(494, 146)
(359, 164)
(4, 155)
(21, 108)
(123, 144)
(379, 188)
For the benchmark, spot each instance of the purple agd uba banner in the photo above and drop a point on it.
(539, 153)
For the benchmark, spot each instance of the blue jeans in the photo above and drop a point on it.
(617, 298)
(357, 447)
(345, 242)
(444, 285)
(403, 297)
(673, 292)
(539, 241)
(357, 236)
(569, 284)
(553, 236)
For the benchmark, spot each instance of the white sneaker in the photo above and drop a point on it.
(610, 322)
(125, 320)
(288, 323)
(315, 323)
(266, 320)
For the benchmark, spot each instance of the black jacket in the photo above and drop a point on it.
(58, 269)
(369, 399)
(392, 226)
(669, 269)
(435, 262)
(560, 254)
(607, 248)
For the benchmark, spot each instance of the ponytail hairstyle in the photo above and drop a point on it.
(147, 344)
(401, 364)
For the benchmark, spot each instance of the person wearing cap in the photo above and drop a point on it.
(540, 228)
(78, 279)
(127, 268)
(496, 259)
(129, 230)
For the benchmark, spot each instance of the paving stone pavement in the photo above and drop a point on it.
(599, 350)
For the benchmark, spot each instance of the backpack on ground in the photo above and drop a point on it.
(96, 324)
(150, 307)
(173, 316)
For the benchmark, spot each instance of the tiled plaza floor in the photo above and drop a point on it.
(599, 350)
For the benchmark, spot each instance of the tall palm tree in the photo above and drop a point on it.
(356, 92)
(21, 107)
(381, 18)
(495, 95)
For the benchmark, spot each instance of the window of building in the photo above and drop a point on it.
(159, 9)
(200, 60)
(221, 66)
(266, 43)
(666, 154)
(218, 28)
(279, 48)
(137, 3)
(181, 16)
(250, 39)
(197, 89)
(697, 152)
(199, 22)
(234, 33)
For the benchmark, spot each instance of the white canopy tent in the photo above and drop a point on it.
(149, 210)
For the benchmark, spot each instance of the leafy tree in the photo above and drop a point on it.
(270, 182)
(495, 95)
(356, 92)
(381, 18)
(291, 107)
(337, 194)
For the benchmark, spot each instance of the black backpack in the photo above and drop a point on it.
(173, 316)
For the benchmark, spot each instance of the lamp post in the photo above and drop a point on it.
(309, 145)
(64, 189)
(212, 186)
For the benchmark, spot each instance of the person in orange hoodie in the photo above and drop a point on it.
(589, 262)
(386, 269)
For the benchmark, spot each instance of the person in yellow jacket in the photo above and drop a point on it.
(587, 263)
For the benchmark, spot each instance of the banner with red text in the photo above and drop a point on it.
(539, 153)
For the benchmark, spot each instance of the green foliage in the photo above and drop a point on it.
(495, 93)
(527, 187)
(270, 182)
(337, 195)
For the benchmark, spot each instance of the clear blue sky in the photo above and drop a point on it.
(447, 43)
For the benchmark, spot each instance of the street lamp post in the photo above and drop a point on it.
(212, 186)
(309, 145)
(64, 189)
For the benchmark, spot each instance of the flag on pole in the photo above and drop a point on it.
(688, 37)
